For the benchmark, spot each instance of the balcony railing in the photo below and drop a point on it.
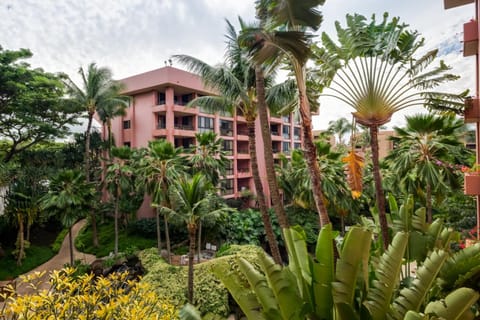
(242, 150)
(243, 170)
(243, 132)
(183, 126)
(226, 132)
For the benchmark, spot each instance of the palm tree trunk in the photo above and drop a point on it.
(87, 177)
(199, 246)
(272, 241)
(428, 198)
(115, 247)
(159, 238)
(70, 242)
(167, 238)
(191, 256)
(382, 216)
(20, 240)
(267, 145)
(310, 152)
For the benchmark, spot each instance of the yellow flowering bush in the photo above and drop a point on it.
(85, 298)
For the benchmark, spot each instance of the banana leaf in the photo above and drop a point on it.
(244, 296)
(323, 274)
(283, 284)
(387, 278)
(353, 260)
(461, 268)
(455, 306)
(259, 284)
(413, 298)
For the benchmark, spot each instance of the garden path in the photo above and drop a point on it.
(56, 263)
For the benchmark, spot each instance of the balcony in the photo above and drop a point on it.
(455, 3)
(470, 38)
(226, 132)
(244, 172)
(472, 110)
(182, 127)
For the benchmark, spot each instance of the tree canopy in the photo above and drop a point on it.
(32, 108)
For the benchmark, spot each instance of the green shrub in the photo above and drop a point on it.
(57, 244)
(210, 296)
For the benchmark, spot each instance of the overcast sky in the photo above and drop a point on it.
(134, 36)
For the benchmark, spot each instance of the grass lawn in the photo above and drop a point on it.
(35, 256)
(106, 237)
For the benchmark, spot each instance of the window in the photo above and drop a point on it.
(229, 168)
(161, 98)
(186, 98)
(297, 145)
(226, 186)
(296, 133)
(228, 146)
(126, 124)
(274, 129)
(286, 132)
(161, 122)
(127, 144)
(286, 119)
(226, 128)
(205, 124)
(286, 147)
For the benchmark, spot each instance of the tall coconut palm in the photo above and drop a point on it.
(235, 83)
(158, 169)
(119, 181)
(376, 72)
(193, 198)
(70, 197)
(425, 152)
(262, 108)
(98, 91)
(288, 35)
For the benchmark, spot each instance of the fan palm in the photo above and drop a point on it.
(235, 83)
(375, 71)
(339, 127)
(158, 169)
(70, 197)
(425, 151)
(286, 33)
(98, 91)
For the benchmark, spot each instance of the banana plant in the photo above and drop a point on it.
(358, 286)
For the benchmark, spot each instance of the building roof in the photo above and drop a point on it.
(183, 81)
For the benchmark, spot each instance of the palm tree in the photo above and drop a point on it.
(98, 91)
(208, 156)
(70, 197)
(235, 83)
(339, 127)
(106, 114)
(193, 199)
(119, 180)
(425, 152)
(375, 71)
(158, 169)
(288, 35)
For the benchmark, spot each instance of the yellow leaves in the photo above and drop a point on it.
(353, 169)
(83, 297)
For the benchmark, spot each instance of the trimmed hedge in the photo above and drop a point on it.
(210, 296)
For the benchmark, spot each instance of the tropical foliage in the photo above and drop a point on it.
(376, 69)
(78, 297)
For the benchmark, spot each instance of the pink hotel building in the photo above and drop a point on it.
(158, 111)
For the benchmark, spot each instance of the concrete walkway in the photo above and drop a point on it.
(56, 263)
